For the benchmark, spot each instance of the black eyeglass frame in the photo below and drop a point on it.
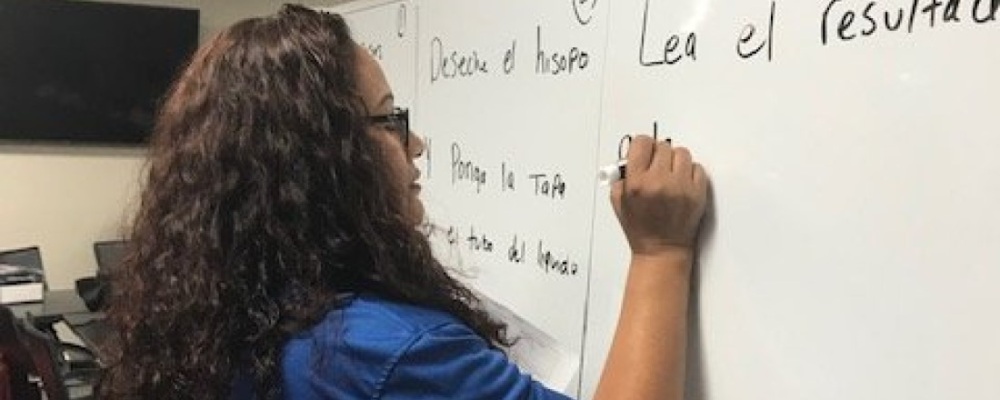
(400, 120)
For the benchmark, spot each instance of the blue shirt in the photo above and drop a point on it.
(376, 349)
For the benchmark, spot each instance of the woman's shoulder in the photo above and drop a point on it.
(370, 311)
(375, 348)
(369, 333)
(373, 319)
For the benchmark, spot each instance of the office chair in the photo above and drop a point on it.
(94, 289)
(77, 362)
(109, 255)
(26, 351)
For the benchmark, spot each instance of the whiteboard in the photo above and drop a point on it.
(852, 251)
(388, 30)
(509, 99)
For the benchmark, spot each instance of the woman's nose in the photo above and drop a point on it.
(417, 145)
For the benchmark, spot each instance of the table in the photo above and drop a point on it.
(66, 305)
(53, 306)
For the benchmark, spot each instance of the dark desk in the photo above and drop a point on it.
(66, 305)
(93, 331)
(51, 309)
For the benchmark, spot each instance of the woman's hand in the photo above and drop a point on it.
(661, 200)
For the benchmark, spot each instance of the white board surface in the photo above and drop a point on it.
(509, 97)
(388, 30)
(851, 251)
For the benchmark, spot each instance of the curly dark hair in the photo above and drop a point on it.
(265, 202)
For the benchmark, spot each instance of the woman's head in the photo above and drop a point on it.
(390, 129)
(273, 187)
(282, 105)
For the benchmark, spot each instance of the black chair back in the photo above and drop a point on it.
(109, 255)
(94, 289)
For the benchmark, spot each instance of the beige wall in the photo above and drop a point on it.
(64, 197)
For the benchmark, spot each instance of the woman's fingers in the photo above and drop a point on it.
(663, 157)
(698, 175)
(683, 163)
(640, 155)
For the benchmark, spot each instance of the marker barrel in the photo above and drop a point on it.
(611, 173)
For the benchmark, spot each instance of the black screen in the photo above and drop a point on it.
(87, 72)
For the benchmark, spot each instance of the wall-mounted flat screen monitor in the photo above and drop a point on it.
(87, 72)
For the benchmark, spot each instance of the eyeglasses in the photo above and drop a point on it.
(398, 121)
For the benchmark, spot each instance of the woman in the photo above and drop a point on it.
(276, 252)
